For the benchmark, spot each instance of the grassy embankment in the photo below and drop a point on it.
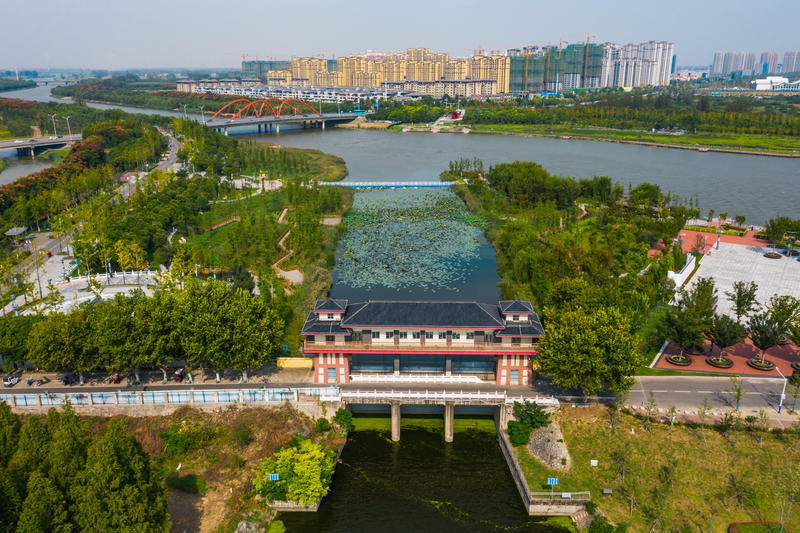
(218, 453)
(737, 143)
(681, 475)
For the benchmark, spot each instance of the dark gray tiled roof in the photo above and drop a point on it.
(515, 306)
(534, 329)
(315, 326)
(330, 305)
(423, 314)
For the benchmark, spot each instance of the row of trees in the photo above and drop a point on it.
(206, 324)
(56, 476)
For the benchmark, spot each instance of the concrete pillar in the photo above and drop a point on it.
(448, 364)
(323, 124)
(166, 398)
(396, 364)
(277, 128)
(141, 398)
(39, 399)
(226, 132)
(449, 415)
(396, 421)
(259, 128)
(13, 400)
(91, 399)
(116, 397)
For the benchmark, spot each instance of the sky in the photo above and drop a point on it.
(117, 34)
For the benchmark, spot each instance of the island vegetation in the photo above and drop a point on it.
(13, 85)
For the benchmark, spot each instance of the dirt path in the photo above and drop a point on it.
(295, 276)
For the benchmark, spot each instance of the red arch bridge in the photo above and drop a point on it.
(268, 114)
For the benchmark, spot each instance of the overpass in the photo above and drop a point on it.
(263, 114)
(30, 145)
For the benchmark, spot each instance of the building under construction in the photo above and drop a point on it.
(551, 68)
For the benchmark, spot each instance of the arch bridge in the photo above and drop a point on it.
(270, 113)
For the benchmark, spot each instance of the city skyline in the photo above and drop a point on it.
(183, 35)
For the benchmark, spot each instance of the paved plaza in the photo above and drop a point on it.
(739, 262)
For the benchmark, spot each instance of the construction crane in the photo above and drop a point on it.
(586, 58)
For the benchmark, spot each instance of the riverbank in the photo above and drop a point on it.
(675, 477)
(701, 143)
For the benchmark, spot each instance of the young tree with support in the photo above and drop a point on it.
(765, 333)
(743, 298)
(724, 332)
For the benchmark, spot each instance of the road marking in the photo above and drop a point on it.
(659, 391)
(684, 391)
(705, 392)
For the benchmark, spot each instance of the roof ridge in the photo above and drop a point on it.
(348, 318)
(487, 312)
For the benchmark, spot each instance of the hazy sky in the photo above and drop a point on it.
(119, 34)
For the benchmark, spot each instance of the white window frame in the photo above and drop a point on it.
(442, 335)
(403, 335)
(376, 334)
(389, 335)
(415, 335)
(429, 335)
(456, 336)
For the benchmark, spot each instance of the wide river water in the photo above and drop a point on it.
(422, 483)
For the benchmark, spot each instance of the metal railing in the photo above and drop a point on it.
(495, 397)
(167, 397)
(559, 495)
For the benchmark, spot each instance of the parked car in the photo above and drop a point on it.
(19, 141)
(11, 380)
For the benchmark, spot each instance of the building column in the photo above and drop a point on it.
(448, 364)
(396, 364)
(259, 128)
(449, 415)
(396, 421)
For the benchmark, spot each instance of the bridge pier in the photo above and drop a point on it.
(259, 128)
(449, 416)
(323, 124)
(396, 421)
(226, 132)
(277, 128)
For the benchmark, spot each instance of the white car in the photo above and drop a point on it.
(54, 137)
(19, 141)
(11, 380)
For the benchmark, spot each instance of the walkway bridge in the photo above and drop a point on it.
(269, 114)
(387, 184)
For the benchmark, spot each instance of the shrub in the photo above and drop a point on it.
(519, 433)
(241, 434)
(344, 418)
(532, 414)
(564, 461)
(591, 507)
(322, 425)
(601, 525)
(188, 483)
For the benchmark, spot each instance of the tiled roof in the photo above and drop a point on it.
(515, 306)
(534, 329)
(330, 305)
(423, 314)
(315, 326)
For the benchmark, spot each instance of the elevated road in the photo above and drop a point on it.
(272, 123)
(33, 143)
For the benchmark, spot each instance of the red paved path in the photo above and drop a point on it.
(782, 356)
(689, 241)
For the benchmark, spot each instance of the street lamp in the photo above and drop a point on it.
(783, 392)
(53, 116)
(68, 128)
(185, 115)
(202, 114)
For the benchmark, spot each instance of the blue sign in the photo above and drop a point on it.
(552, 481)
(274, 477)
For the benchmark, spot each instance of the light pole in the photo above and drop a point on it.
(184, 112)
(202, 114)
(783, 392)
(53, 116)
(68, 128)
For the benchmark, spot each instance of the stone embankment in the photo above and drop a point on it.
(547, 445)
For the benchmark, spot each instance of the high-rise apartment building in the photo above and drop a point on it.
(769, 62)
(791, 61)
(719, 61)
(635, 65)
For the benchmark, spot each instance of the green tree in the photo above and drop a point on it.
(44, 509)
(60, 342)
(784, 311)
(688, 321)
(765, 332)
(725, 332)
(775, 229)
(743, 297)
(119, 490)
(736, 390)
(304, 471)
(9, 433)
(590, 350)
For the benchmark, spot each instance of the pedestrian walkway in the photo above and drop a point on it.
(782, 356)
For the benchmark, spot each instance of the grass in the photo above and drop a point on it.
(708, 477)
(706, 229)
(746, 143)
(189, 483)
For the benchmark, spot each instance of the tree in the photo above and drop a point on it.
(304, 471)
(53, 300)
(9, 433)
(784, 311)
(725, 332)
(650, 409)
(794, 391)
(242, 279)
(61, 342)
(532, 414)
(590, 350)
(44, 509)
(740, 219)
(743, 297)
(765, 332)
(775, 229)
(736, 390)
(687, 323)
(154, 329)
(702, 414)
(119, 490)
(67, 449)
(710, 215)
(723, 216)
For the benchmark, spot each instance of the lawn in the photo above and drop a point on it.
(758, 143)
(671, 474)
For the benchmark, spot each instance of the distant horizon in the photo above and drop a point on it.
(183, 35)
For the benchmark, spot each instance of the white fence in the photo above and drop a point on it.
(166, 397)
(496, 397)
(680, 277)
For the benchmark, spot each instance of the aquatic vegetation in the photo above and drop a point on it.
(412, 237)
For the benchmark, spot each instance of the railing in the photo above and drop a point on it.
(562, 496)
(495, 397)
(491, 347)
(168, 397)
(413, 378)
